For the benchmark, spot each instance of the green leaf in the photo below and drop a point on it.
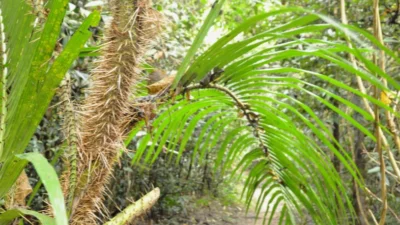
(90, 52)
(8, 216)
(35, 84)
(49, 178)
(207, 24)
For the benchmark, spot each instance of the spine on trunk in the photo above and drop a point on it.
(133, 26)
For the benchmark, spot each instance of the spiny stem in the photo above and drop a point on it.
(103, 120)
(71, 133)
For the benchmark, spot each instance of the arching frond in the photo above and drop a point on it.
(245, 114)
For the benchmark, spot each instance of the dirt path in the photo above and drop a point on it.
(217, 214)
(251, 217)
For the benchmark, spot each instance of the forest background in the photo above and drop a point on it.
(190, 180)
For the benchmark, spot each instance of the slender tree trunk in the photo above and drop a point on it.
(336, 135)
(358, 199)
(203, 183)
(190, 168)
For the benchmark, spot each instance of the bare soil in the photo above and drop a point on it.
(215, 213)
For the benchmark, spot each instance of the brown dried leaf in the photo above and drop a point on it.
(23, 189)
(160, 85)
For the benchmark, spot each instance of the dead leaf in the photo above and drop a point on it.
(23, 189)
(386, 97)
(160, 85)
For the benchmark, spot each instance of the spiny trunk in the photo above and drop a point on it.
(134, 24)
(70, 128)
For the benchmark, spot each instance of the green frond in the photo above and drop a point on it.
(212, 15)
(34, 71)
(295, 173)
(10, 215)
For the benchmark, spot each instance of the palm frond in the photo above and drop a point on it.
(292, 170)
(33, 75)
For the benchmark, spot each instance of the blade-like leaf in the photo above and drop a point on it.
(49, 178)
(207, 24)
(8, 216)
